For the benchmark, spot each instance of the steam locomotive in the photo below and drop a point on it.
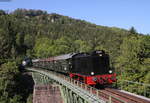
(91, 68)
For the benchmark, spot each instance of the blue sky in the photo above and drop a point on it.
(112, 13)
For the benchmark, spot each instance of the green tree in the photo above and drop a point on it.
(8, 73)
(43, 47)
(16, 99)
(81, 46)
(7, 36)
(30, 99)
(63, 46)
(129, 60)
(2, 12)
(134, 61)
(132, 30)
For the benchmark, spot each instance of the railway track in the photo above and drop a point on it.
(127, 98)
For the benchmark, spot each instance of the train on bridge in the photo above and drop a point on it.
(91, 68)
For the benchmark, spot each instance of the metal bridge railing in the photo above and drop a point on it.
(90, 90)
(135, 87)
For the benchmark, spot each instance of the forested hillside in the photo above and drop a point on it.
(37, 34)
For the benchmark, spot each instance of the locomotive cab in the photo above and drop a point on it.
(94, 63)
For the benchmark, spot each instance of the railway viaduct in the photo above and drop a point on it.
(52, 87)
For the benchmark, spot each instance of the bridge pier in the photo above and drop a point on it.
(45, 89)
(47, 94)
